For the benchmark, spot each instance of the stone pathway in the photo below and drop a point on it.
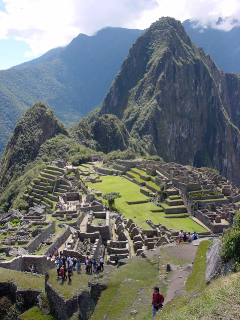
(63, 245)
(179, 275)
(130, 242)
(83, 225)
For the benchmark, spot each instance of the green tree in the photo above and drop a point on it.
(110, 197)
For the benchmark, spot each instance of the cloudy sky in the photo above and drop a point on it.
(29, 28)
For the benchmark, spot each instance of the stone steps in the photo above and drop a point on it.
(177, 202)
(175, 209)
(172, 192)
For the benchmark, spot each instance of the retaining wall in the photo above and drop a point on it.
(42, 236)
(59, 240)
(22, 263)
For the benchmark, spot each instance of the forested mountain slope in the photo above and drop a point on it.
(176, 102)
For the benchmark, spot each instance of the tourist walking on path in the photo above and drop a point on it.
(90, 266)
(79, 265)
(58, 270)
(157, 301)
(116, 260)
(86, 264)
(65, 272)
(94, 265)
(101, 263)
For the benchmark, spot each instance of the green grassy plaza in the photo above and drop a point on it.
(130, 191)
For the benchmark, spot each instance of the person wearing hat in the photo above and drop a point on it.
(62, 273)
(157, 301)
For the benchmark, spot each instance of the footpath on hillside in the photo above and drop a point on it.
(179, 275)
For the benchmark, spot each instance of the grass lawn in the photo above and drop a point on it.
(36, 314)
(130, 191)
(78, 284)
(130, 288)
(24, 280)
(143, 173)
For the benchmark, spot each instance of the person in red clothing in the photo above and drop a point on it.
(157, 301)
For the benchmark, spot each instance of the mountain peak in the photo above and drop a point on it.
(34, 127)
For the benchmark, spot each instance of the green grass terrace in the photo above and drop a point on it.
(139, 213)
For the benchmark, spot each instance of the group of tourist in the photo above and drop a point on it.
(184, 237)
(94, 266)
(66, 265)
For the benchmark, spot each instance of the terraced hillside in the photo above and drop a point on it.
(46, 188)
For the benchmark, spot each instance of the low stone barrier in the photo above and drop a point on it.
(145, 192)
(59, 241)
(43, 236)
(42, 264)
(137, 202)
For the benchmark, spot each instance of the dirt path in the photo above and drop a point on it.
(131, 248)
(83, 225)
(63, 245)
(179, 275)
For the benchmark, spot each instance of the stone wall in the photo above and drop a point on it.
(42, 236)
(83, 303)
(145, 192)
(104, 231)
(215, 228)
(92, 208)
(100, 215)
(128, 163)
(29, 298)
(59, 240)
(22, 263)
(92, 236)
(78, 221)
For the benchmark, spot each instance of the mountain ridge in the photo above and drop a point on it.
(180, 101)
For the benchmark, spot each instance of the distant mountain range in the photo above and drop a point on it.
(167, 94)
(169, 99)
(175, 101)
(223, 46)
(72, 80)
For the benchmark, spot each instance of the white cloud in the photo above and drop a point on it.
(45, 24)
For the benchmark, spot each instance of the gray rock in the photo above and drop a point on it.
(133, 312)
(214, 261)
(178, 292)
(21, 252)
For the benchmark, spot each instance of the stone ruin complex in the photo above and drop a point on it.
(81, 226)
(88, 228)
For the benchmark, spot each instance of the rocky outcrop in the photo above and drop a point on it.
(27, 298)
(175, 101)
(215, 265)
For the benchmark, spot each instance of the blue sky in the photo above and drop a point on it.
(29, 28)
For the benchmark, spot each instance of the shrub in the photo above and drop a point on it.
(231, 241)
